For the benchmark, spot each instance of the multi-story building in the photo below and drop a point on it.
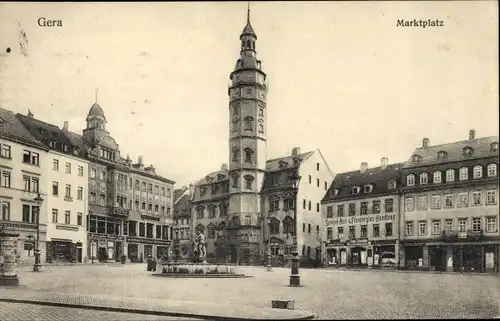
(66, 201)
(182, 222)
(228, 206)
(361, 216)
(450, 210)
(282, 201)
(23, 174)
(129, 204)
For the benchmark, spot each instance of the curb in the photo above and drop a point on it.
(411, 271)
(149, 308)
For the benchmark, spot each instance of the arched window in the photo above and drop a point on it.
(248, 155)
(410, 180)
(450, 175)
(248, 181)
(235, 180)
(261, 128)
(492, 170)
(464, 173)
(424, 178)
(210, 231)
(478, 171)
(249, 123)
(436, 177)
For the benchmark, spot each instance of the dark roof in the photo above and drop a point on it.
(481, 148)
(48, 134)
(96, 110)
(15, 130)
(74, 138)
(377, 177)
(274, 164)
(213, 177)
(248, 30)
(178, 192)
(182, 208)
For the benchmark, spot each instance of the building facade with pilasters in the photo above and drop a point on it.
(23, 174)
(449, 207)
(361, 212)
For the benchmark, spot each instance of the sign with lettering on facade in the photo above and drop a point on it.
(358, 241)
(364, 219)
(19, 225)
(67, 228)
(147, 241)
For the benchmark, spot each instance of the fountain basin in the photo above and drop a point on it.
(199, 270)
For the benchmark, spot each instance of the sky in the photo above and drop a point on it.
(342, 76)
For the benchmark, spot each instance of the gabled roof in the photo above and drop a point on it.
(377, 177)
(274, 164)
(183, 206)
(213, 177)
(50, 135)
(179, 192)
(481, 148)
(14, 129)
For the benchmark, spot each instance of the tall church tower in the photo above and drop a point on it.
(247, 148)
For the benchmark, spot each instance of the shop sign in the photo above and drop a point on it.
(18, 225)
(374, 218)
(359, 241)
(147, 241)
(106, 236)
(67, 228)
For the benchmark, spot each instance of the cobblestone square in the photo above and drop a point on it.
(334, 294)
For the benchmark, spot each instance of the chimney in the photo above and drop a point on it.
(223, 167)
(140, 160)
(295, 151)
(364, 167)
(425, 143)
(65, 126)
(191, 189)
(383, 162)
(472, 134)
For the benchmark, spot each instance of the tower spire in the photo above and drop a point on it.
(96, 90)
(248, 12)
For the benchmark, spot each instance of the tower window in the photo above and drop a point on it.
(261, 128)
(248, 155)
(235, 154)
(248, 181)
(235, 181)
(261, 112)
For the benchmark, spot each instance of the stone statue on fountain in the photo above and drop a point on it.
(200, 251)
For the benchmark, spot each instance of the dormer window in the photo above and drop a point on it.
(391, 184)
(355, 190)
(494, 146)
(335, 192)
(65, 148)
(468, 151)
(415, 158)
(410, 180)
(442, 155)
(1, 127)
(220, 177)
(368, 188)
(283, 164)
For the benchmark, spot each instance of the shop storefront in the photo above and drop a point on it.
(144, 247)
(61, 250)
(385, 254)
(412, 257)
(105, 248)
(336, 253)
(359, 253)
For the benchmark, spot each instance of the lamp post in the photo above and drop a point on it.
(295, 276)
(38, 202)
(269, 256)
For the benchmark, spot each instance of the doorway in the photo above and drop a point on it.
(79, 253)
(118, 251)
(102, 254)
(437, 258)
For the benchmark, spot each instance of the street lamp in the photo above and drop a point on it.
(269, 257)
(38, 202)
(295, 276)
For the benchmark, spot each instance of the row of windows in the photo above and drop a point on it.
(215, 188)
(364, 208)
(309, 228)
(67, 167)
(463, 174)
(288, 226)
(465, 199)
(122, 202)
(181, 233)
(67, 217)
(464, 224)
(67, 191)
(142, 186)
(317, 180)
(363, 231)
(110, 226)
(30, 183)
(183, 221)
(212, 211)
(5, 151)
